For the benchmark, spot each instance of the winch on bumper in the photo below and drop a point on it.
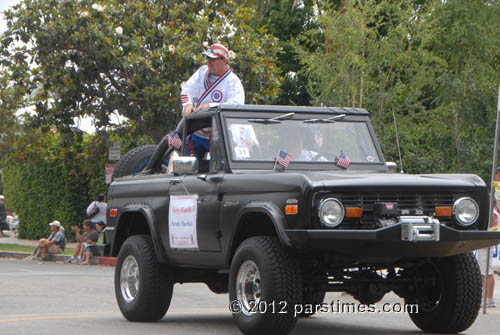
(411, 236)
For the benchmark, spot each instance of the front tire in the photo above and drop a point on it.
(312, 299)
(450, 304)
(143, 287)
(265, 283)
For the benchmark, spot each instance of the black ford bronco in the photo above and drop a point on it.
(286, 204)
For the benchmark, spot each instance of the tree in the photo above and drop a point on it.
(434, 64)
(10, 98)
(77, 58)
(287, 20)
(466, 36)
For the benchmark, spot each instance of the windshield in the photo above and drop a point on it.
(303, 141)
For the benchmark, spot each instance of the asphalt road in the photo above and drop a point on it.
(64, 299)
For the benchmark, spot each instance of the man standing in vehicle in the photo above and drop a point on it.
(210, 85)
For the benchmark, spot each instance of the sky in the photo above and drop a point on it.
(86, 124)
(5, 4)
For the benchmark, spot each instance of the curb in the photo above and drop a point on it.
(106, 261)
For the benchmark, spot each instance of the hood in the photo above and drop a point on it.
(393, 180)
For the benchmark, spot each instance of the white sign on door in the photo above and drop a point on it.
(182, 221)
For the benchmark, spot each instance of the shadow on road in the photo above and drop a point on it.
(223, 324)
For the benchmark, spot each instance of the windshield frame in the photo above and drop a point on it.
(297, 165)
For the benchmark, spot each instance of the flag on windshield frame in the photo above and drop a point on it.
(283, 159)
(343, 161)
(174, 140)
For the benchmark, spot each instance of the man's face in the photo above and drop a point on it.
(87, 228)
(318, 138)
(99, 228)
(54, 228)
(216, 66)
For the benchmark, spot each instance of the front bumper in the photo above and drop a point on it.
(388, 242)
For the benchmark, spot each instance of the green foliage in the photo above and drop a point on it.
(434, 63)
(80, 58)
(287, 20)
(46, 179)
(24, 248)
(43, 193)
(67, 59)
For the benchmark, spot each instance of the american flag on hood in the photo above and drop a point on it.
(283, 159)
(343, 160)
(174, 140)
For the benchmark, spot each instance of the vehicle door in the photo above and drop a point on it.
(198, 196)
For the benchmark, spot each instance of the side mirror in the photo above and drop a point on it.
(392, 167)
(181, 165)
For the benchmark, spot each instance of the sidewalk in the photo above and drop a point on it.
(56, 258)
(31, 243)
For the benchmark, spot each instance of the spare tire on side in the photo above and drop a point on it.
(134, 161)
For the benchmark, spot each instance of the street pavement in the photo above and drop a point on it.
(61, 299)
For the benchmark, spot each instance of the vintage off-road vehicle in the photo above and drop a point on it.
(290, 203)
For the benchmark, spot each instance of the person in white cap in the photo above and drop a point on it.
(209, 86)
(54, 244)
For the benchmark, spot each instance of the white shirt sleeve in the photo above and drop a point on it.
(189, 89)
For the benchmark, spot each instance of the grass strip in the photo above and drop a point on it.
(26, 248)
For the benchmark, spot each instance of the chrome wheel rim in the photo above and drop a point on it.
(248, 287)
(129, 278)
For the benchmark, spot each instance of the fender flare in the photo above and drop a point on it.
(148, 214)
(273, 213)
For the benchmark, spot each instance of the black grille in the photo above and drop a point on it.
(420, 203)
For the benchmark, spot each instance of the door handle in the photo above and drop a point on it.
(177, 181)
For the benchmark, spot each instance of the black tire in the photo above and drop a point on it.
(311, 303)
(452, 304)
(4, 226)
(280, 287)
(150, 301)
(134, 161)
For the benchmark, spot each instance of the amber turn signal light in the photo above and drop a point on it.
(353, 212)
(443, 211)
(291, 209)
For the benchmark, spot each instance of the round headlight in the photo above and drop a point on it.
(331, 212)
(466, 211)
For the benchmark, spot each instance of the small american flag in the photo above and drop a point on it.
(343, 160)
(283, 159)
(184, 98)
(174, 140)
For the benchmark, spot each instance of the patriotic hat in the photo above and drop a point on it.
(217, 51)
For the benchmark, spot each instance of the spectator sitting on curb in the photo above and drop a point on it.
(77, 254)
(54, 244)
(89, 242)
(92, 249)
(100, 229)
